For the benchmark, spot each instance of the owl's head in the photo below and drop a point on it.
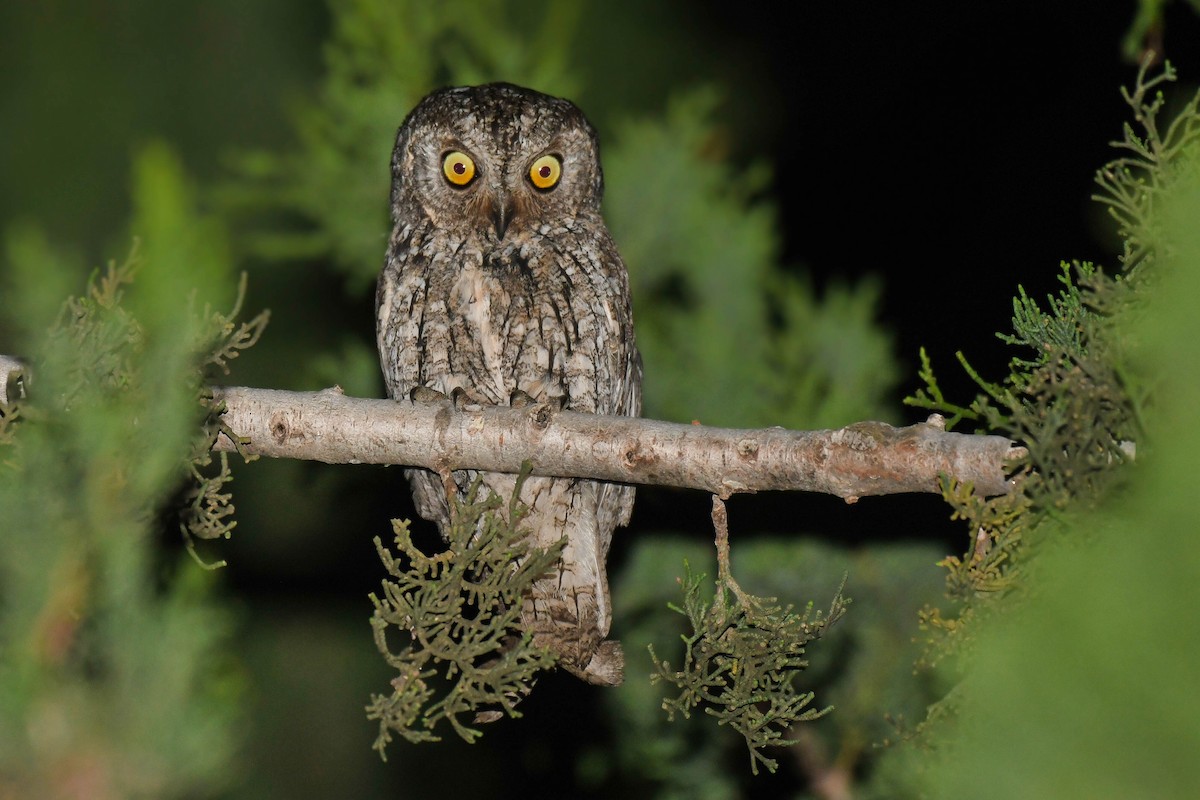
(495, 160)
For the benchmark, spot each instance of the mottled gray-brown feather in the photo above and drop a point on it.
(537, 302)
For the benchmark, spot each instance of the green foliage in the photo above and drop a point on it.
(1145, 33)
(1060, 329)
(1078, 404)
(729, 337)
(862, 667)
(461, 611)
(1149, 169)
(207, 511)
(741, 661)
(113, 665)
(1082, 691)
(987, 571)
(382, 58)
(1085, 685)
(1071, 403)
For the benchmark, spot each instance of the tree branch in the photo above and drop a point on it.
(10, 371)
(867, 458)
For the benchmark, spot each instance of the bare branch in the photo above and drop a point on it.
(867, 458)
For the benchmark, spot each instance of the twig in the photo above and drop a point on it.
(720, 518)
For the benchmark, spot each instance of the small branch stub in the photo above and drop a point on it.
(12, 377)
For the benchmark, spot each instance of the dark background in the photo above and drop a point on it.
(963, 137)
(966, 137)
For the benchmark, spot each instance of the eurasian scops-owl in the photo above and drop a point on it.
(501, 280)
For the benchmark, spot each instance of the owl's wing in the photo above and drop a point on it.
(616, 500)
(398, 358)
(630, 404)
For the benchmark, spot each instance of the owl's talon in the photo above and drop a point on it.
(520, 399)
(423, 394)
(463, 400)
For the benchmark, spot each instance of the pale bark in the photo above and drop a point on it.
(9, 367)
(867, 458)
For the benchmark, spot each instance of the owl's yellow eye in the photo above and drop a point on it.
(458, 168)
(545, 172)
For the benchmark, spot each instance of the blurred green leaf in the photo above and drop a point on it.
(1086, 682)
(113, 671)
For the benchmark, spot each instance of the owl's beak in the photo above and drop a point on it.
(501, 213)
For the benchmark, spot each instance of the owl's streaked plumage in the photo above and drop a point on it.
(501, 278)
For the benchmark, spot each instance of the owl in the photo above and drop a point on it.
(502, 284)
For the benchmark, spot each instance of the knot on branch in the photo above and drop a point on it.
(541, 415)
(280, 428)
(634, 456)
(747, 449)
